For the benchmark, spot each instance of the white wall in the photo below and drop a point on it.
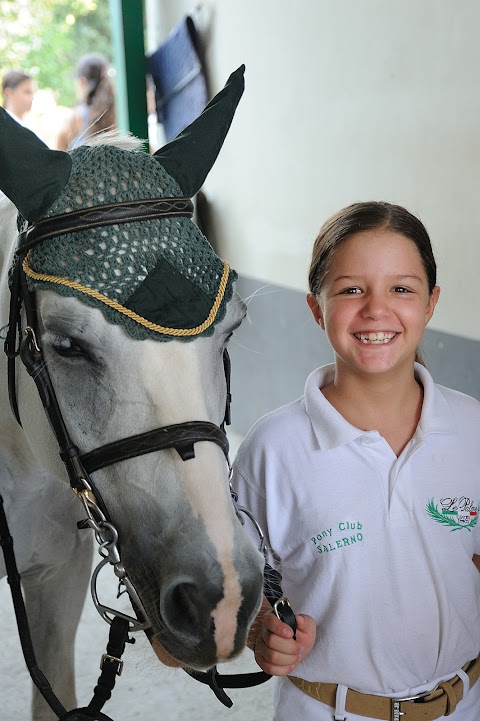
(347, 100)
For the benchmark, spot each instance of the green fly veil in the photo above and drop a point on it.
(150, 270)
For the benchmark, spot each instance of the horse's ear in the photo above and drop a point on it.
(31, 175)
(190, 157)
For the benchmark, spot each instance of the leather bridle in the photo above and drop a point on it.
(23, 342)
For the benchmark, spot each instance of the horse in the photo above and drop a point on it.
(121, 386)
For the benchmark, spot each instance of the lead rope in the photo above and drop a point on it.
(219, 682)
(281, 607)
(111, 664)
(13, 578)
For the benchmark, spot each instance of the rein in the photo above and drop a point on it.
(182, 437)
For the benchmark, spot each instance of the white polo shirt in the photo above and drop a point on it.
(378, 549)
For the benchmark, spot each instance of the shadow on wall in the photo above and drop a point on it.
(453, 361)
(273, 351)
(278, 345)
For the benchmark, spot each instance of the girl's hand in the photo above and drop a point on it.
(276, 652)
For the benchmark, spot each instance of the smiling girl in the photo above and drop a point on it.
(368, 490)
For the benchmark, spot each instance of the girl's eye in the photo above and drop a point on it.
(350, 291)
(401, 289)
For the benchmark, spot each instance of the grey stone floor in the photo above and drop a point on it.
(146, 690)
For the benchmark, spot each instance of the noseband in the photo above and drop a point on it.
(25, 344)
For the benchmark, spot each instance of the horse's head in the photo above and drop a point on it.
(133, 314)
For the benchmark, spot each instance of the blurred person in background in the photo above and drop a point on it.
(95, 110)
(17, 90)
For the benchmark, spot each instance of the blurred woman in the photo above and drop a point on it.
(96, 108)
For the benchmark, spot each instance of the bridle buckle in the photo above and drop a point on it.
(112, 659)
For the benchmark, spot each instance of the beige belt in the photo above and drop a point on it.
(425, 707)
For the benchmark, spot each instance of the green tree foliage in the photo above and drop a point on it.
(47, 37)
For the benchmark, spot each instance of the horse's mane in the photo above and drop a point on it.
(119, 138)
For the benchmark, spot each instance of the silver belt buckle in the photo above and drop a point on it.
(397, 713)
(396, 710)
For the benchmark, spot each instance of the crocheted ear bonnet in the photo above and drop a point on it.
(157, 275)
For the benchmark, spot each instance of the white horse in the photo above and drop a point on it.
(198, 577)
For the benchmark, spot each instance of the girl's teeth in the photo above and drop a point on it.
(377, 338)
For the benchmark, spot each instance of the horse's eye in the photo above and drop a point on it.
(68, 348)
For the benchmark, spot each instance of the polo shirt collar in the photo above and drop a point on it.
(330, 427)
(332, 430)
(437, 415)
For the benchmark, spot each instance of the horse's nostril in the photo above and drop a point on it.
(184, 597)
(183, 609)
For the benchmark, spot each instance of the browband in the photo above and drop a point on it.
(109, 214)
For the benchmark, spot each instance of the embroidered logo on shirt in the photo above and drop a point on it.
(345, 533)
(454, 512)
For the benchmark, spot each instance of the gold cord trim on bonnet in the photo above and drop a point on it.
(179, 332)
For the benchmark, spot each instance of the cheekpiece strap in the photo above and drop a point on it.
(108, 214)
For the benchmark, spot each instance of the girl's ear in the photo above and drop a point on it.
(314, 306)
(432, 302)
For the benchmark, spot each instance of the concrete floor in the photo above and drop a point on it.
(146, 690)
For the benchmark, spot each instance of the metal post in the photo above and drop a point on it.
(129, 62)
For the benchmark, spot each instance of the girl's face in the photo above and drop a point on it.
(19, 100)
(374, 302)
